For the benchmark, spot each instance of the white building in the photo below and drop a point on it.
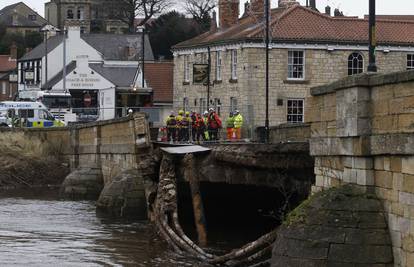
(103, 74)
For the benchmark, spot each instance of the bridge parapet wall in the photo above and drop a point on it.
(362, 132)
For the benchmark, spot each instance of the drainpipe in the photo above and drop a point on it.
(267, 7)
(372, 67)
(208, 77)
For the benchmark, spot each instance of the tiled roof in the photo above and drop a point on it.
(159, 76)
(111, 46)
(6, 63)
(301, 24)
(393, 17)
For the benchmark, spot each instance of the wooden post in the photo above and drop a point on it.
(198, 207)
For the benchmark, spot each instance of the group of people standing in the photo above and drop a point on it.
(186, 126)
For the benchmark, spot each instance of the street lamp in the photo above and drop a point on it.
(372, 67)
(45, 30)
(141, 29)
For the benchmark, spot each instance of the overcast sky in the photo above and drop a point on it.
(349, 7)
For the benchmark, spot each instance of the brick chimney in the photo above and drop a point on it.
(287, 3)
(228, 12)
(257, 8)
(13, 51)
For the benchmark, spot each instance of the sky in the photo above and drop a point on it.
(349, 7)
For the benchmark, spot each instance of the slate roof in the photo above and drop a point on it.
(22, 21)
(111, 46)
(6, 63)
(159, 76)
(120, 76)
(58, 77)
(39, 51)
(301, 24)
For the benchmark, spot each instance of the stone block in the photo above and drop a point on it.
(361, 254)
(396, 238)
(387, 164)
(365, 177)
(395, 164)
(383, 179)
(319, 180)
(397, 181)
(407, 165)
(362, 163)
(406, 198)
(379, 163)
(397, 209)
(408, 183)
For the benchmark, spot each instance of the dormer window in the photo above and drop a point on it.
(32, 17)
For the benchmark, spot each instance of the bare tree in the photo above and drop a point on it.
(128, 10)
(200, 9)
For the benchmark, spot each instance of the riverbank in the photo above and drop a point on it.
(26, 163)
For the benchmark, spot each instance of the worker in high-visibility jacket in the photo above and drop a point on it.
(171, 127)
(185, 127)
(180, 118)
(230, 126)
(238, 124)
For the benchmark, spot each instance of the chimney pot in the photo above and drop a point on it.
(328, 10)
(229, 12)
(313, 4)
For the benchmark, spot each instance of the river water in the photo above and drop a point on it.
(37, 229)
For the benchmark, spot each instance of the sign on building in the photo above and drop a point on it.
(200, 73)
(29, 75)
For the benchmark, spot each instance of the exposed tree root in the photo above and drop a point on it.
(166, 219)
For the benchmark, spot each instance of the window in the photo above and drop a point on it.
(295, 110)
(186, 68)
(32, 17)
(3, 88)
(234, 64)
(203, 105)
(296, 65)
(233, 104)
(26, 113)
(69, 14)
(218, 65)
(203, 58)
(410, 62)
(186, 104)
(355, 64)
(217, 105)
(80, 14)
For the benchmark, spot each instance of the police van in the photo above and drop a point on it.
(27, 114)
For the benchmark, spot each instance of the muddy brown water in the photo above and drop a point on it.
(37, 229)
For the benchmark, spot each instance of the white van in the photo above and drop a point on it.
(27, 114)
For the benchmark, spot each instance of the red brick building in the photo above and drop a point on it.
(8, 64)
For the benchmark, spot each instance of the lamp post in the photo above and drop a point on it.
(267, 7)
(141, 29)
(372, 67)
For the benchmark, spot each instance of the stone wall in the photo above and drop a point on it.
(362, 132)
(285, 133)
(115, 145)
(321, 67)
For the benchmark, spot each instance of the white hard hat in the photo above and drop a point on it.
(130, 111)
(205, 112)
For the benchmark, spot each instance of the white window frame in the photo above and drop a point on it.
(234, 62)
(410, 61)
(295, 114)
(3, 88)
(291, 58)
(233, 104)
(186, 68)
(80, 13)
(219, 65)
(352, 69)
